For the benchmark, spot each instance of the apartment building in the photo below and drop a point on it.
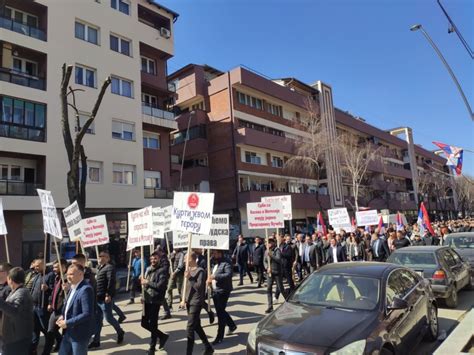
(128, 144)
(237, 129)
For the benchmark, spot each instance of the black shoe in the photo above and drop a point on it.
(259, 285)
(166, 316)
(120, 335)
(209, 350)
(240, 284)
(217, 341)
(121, 319)
(211, 317)
(163, 341)
(232, 330)
(151, 351)
(269, 310)
(132, 301)
(94, 345)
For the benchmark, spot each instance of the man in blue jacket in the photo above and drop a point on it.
(136, 274)
(77, 319)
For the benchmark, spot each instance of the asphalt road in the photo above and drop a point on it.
(246, 306)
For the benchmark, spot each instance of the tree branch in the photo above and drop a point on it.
(66, 76)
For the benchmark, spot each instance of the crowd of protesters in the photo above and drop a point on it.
(68, 303)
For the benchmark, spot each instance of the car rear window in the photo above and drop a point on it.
(466, 242)
(414, 260)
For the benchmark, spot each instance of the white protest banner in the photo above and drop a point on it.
(265, 215)
(3, 226)
(180, 240)
(51, 223)
(158, 221)
(367, 218)
(218, 237)
(339, 217)
(72, 216)
(168, 211)
(286, 203)
(94, 231)
(140, 228)
(192, 212)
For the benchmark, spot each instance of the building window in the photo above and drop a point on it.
(252, 158)
(277, 162)
(83, 117)
(121, 5)
(15, 173)
(123, 130)
(86, 76)
(22, 119)
(3, 172)
(123, 174)
(86, 32)
(94, 172)
(21, 17)
(198, 106)
(120, 44)
(24, 66)
(149, 100)
(274, 109)
(152, 179)
(122, 87)
(250, 101)
(151, 140)
(148, 65)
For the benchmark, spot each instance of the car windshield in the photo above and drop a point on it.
(462, 242)
(414, 260)
(341, 291)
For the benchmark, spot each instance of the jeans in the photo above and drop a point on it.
(16, 348)
(194, 325)
(71, 347)
(136, 288)
(223, 318)
(243, 269)
(117, 310)
(260, 269)
(52, 334)
(278, 279)
(105, 310)
(150, 322)
(172, 283)
(41, 318)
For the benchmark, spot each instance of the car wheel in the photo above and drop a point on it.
(432, 333)
(452, 300)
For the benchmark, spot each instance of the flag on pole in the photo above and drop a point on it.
(424, 220)
(367, 229)
(381, 226)
(353, 225)
(453, 155)
(399, 222)
(320, 226)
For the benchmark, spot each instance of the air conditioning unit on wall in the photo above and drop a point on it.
(164, 32)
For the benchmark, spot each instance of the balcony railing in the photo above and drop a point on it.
(11, 130)
(14, 77)
(158, 193)
(22, 28)
(157, 112)
(19, 188)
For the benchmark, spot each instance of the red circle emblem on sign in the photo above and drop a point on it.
(193, 201)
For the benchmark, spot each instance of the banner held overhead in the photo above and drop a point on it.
(140, 228)
(262, 215)
(367, 218)
(192, 212)
(286, 203)
(95, 231)
(72, 216)
(218, 238)
(51, 223)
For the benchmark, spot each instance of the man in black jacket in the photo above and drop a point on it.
(258, 255)
(154, 284)
(336, 253)
(379, 248)
(221, 282)
(274, 272)
(105, 292)
(287, 262)
(242, 258)
(315, 254)
(175, 281)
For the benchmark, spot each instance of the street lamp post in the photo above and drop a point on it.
(448, 68)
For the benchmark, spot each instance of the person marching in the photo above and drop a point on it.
(154, 287)
(194, 298)
(136, 272)
(274, 272)
(258, 256)
(221, 282)
(175, 281)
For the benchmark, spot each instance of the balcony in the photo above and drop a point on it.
(23, 79)
(22, 28)
(158, 193)
(19, 188)
(159, 117)
(11, 130)
(255, 138)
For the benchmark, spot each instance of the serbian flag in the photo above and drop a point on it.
(453, 155)
(353, 225)
(424, 220)
(320, 226)
(381, 226)
(367, 229)
(399, 221)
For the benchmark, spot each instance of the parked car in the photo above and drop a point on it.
(463, 243)
(351, 308)
(446, 270)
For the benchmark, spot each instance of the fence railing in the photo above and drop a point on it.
(14, 77)
(22, 28)
(158, 193)
(20, 188)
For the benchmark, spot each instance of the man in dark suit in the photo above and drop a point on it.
(336, 253)
(287, 261)
(221, 282)
(258, 255)
(274, 272)
(242, 255)
(315, 254)
(78, 314)
(379, 248)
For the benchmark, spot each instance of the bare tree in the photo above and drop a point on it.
(464, 187)
(356, 155)
(308, 158)
(76, 185)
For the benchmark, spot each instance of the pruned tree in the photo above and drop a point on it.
(76, 185)
(464, 188)
(308, 158)
(356, 155)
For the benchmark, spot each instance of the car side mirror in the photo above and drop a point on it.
(398, 303)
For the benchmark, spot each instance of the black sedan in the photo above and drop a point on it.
(446, 270)
(350, 308)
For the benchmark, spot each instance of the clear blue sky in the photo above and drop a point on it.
(378, 69)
